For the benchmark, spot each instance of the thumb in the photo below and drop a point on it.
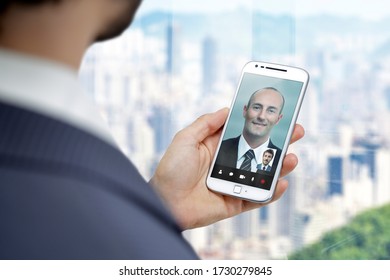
(207, 125)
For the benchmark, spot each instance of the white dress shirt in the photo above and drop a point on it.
(51, 89)
(243, 147)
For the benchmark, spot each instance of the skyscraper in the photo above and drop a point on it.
(161, 121)
(335, 175)
(173, 50)
(209, 64)
(246, 225)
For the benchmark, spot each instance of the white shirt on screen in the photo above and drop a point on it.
(243, 147)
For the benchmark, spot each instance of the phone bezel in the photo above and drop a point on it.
(251, 193)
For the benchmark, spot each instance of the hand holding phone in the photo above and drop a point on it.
(258, 130)
(180, 175)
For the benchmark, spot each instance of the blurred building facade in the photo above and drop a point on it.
(149, 84)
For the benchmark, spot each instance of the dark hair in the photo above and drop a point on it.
(270, 151)
(4, 4)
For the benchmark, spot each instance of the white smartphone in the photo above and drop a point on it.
(257, 132)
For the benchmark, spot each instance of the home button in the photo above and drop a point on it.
(237, 189)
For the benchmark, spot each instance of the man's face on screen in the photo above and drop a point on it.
(262, 113)
(267, 157)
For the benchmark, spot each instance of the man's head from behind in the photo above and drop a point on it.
(111, 16)
(263, 111)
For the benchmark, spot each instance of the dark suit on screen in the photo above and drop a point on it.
(228, 153)
(267, 168)
(66, 194)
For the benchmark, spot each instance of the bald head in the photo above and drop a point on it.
(261, 114)
(271, 91)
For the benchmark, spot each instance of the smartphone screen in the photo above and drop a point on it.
(257, 132)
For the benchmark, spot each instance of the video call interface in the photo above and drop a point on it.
(263, 176)
(248, 178)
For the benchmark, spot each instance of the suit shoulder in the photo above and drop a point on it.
(231, 141)
(229, 144)
(272, 146)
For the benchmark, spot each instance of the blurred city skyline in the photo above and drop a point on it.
(370, 10)
(155, 79)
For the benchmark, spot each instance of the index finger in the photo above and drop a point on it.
(298, 133)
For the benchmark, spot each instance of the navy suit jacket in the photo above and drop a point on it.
(228, 153)
(260, 167)
(66, 194)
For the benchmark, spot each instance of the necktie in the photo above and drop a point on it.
(263, 167)
(246, 165)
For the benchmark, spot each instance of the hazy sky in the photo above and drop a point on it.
(368, 9)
